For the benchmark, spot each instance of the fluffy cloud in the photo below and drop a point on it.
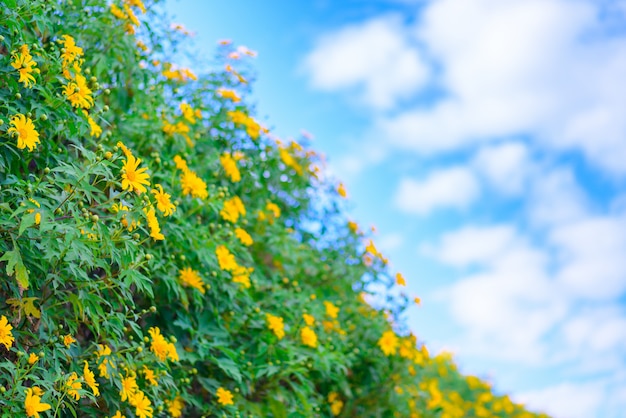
(549, 302)
(473, 245)
(566, 400)
(505, 166)
(520, 67)
(377, 59)
(454, 187)
(555, 197)
(518, 84)
(592, 257)
(508, 68)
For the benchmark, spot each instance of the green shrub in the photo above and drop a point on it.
(164, 255)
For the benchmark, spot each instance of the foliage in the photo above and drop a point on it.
(164, 255)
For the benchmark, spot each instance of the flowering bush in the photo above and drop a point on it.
(164, 255)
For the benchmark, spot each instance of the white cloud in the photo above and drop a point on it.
(505, 166)
(390, 242)
(508, 305)
(566, 400)
(522, 81)
(454, 187)
(509, 68)
(555, 197)
(472, 244)
(592, 257)
(377, 59)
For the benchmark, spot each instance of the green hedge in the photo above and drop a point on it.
(164, 255)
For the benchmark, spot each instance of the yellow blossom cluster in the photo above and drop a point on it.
(127, 15)
(226, 261)
(229, 164)
(275, 323)
(190, 182)
(252, 127)
(105, 157)
(179, 74)
(291, 156)
(23, 62)
(228, 94)
(233, 208)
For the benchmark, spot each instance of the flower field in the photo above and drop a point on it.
(163, 254)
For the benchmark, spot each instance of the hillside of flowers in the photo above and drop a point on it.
(162, 254)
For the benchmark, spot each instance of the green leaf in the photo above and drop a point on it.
(230, 368)
(15, 265)
(27, 222)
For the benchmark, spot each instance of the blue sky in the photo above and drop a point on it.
(486, 141)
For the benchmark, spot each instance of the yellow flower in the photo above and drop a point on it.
(341, 189)
(417, 300)
(336, 404)
(137, 3)
(253, 129)
(164, 204)
(24, 128)
(236, 74)
(228, 94)
(70, 50)
(331, 309)
(118, 414)
(224, 396)
(241, 275)
(233, 208)
(24, 64)
(143, 406)
(104, 351)
(90, 379)
(308, 319)
(95, 129)
(73, 386)
(353, 226)
(181, 164)
(175, 407)
(78, 92)
(371, 249)
(400, 279)
(117, 12)
(124, 149)
(129, 388)
(68, 340)
(182, 74)
(189, 114)
(33, 404)
(308, 337)
(388, 342)
(244, 237)
(149, 376)
(230, 167)
(407, 348)
(225, 259)
(273, 207)
(118, 207)
(38, 214)
(191, 278)
(275, 323)
(289, 160)
(33, 358)
(134, 179)
(153, 224)
(161, 348)
(131, 17)
(193, 185)
(6, 337)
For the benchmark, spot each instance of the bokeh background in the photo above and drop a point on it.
(486, 141)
